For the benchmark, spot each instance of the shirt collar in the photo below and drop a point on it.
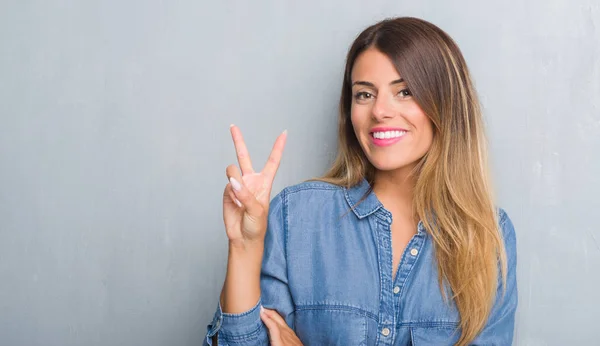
(369, 205)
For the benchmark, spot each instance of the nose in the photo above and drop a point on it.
(382, 108)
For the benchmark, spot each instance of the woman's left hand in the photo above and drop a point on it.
(279, 332)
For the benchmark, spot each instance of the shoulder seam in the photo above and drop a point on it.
(284, 214)
(303, 187)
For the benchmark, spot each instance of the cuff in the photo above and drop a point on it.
(236, 326)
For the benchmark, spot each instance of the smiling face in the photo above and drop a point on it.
(392, 130)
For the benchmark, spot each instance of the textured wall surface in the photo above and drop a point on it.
(114, 141)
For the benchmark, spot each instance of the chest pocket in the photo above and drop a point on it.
(328, 325)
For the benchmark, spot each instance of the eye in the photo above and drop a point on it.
(363, 95)
(404, 93)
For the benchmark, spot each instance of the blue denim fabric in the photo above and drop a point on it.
(328, 270)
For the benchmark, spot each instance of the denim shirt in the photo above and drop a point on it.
(328, 271)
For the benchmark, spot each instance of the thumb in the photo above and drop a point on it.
(241, 192)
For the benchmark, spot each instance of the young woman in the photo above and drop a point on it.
(400, 243)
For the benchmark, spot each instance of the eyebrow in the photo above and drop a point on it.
(369, 84)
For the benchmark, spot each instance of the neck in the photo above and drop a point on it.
(394, 189)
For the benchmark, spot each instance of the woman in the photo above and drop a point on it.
(400, 242)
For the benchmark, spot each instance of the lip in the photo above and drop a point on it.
(383, 129)
(381, 142)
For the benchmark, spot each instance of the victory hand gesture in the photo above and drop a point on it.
(247, 195)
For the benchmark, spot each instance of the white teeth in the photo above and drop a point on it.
(388, 134)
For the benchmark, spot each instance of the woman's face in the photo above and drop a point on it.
(391, 128)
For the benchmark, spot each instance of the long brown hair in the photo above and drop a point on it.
(452, 194)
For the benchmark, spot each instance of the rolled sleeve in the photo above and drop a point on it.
(237, 329)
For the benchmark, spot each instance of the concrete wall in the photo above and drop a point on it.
(114, 140)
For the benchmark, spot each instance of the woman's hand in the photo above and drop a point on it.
(279, 332)
(245, 210)
(246, 198)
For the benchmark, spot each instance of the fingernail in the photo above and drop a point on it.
(235, 184)
(231, 125)
(239, 204)
(285, 132)
(262, 310)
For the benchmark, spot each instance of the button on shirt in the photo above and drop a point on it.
(327, 268)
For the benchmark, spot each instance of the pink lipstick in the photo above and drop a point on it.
(386, 136)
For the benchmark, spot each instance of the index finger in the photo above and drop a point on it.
(275, 157)
(241, 151)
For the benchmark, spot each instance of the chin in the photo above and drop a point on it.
(387, 164)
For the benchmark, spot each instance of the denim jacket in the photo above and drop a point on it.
(328, 271)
